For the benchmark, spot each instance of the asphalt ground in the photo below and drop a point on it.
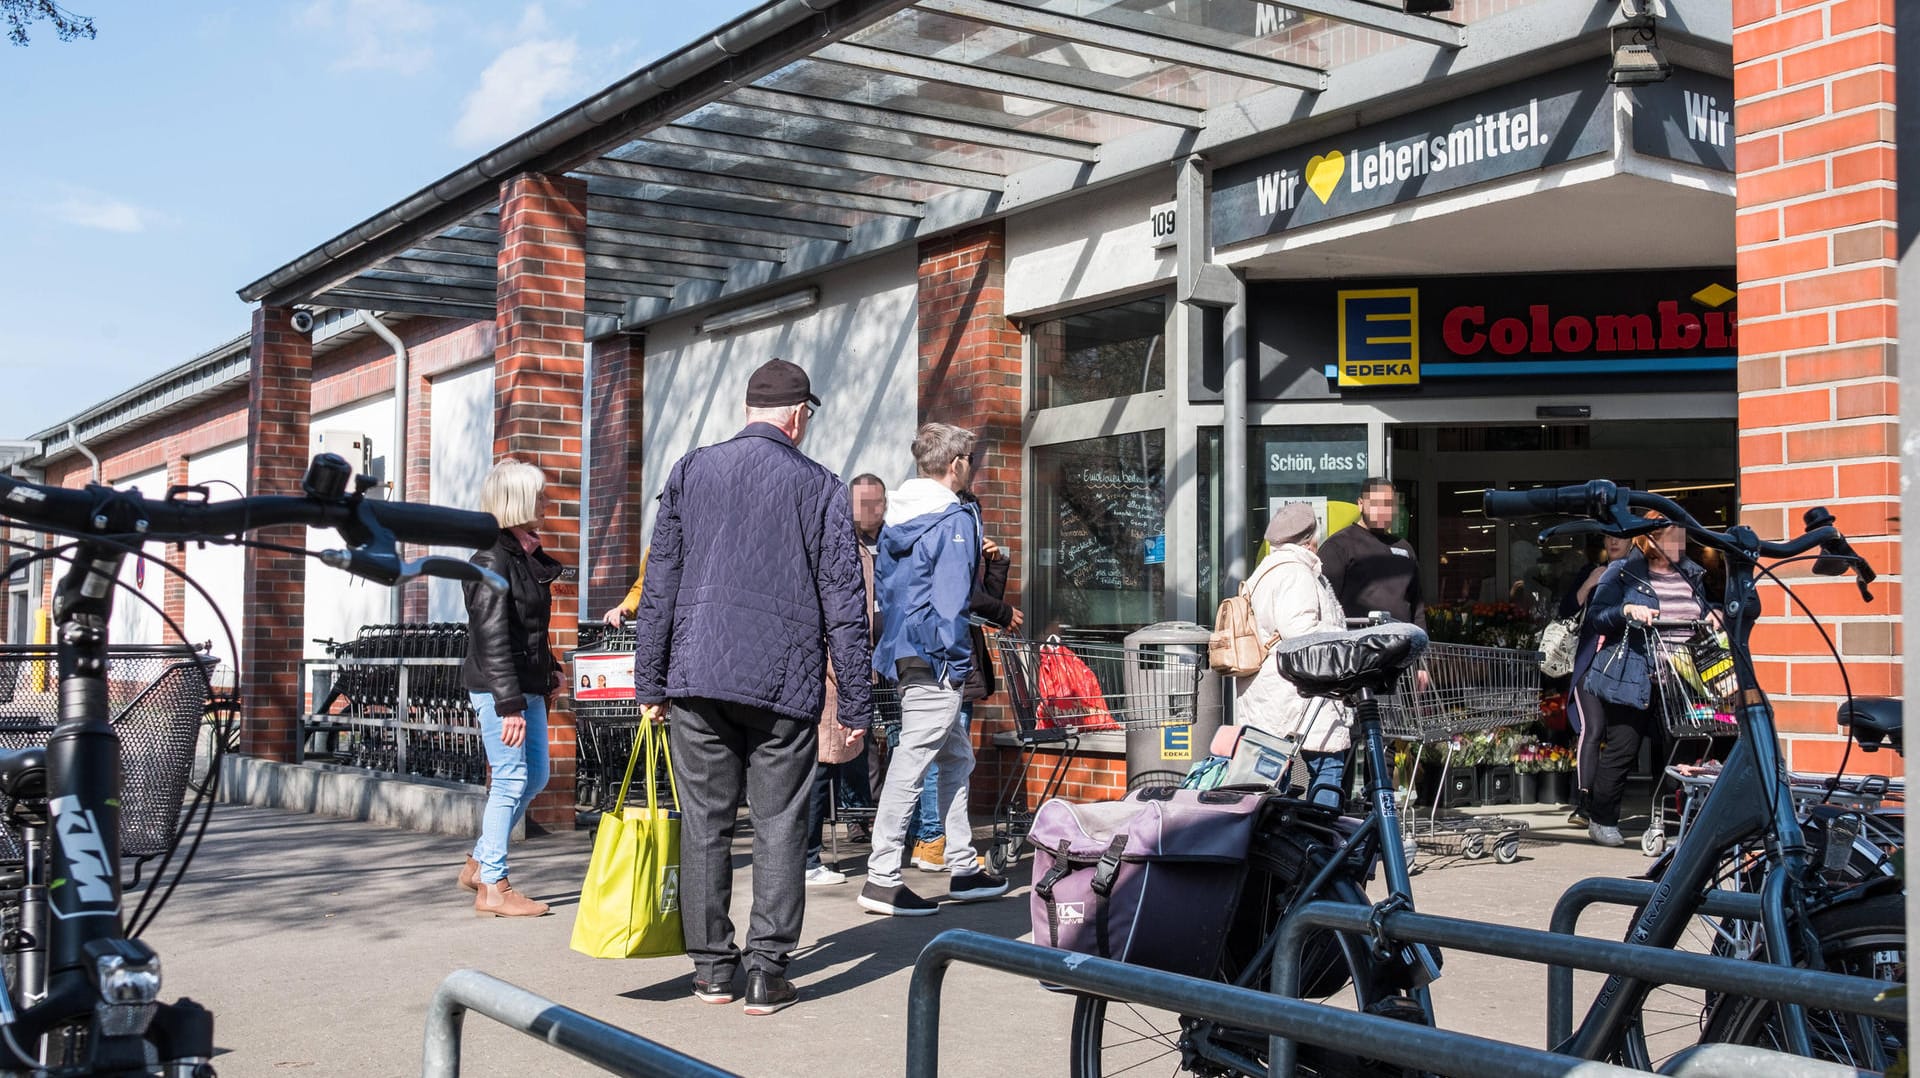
(318, 944)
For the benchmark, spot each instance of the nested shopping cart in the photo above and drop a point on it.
(1059, 691)
(1462, 689)
(1692, 682)
(156, 701)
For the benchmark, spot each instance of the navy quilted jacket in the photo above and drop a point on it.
(753, 577)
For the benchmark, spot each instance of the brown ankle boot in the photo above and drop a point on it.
(470, 874)
(501, 900)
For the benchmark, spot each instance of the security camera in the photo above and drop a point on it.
(303, 321)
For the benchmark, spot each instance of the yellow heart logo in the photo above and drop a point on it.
(1324, 172)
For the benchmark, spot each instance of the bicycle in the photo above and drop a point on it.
(1746, 832)
(82, 996)
(1301, 851)
(1857, 929)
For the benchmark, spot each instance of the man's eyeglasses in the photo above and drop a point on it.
(809, 410)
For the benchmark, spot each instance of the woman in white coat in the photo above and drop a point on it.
(1291, 598)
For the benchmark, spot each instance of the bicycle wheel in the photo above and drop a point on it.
(1672, 1017)
(1867, 938)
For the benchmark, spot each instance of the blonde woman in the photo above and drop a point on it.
(508, 673)
(1291, 598)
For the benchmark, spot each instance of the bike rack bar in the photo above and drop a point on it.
(607, 1047)
(1721, 1060)
(1618, 892)
(1392, 1041)
(1782, 984)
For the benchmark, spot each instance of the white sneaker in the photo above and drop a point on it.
(822, 876)
(1604, 834)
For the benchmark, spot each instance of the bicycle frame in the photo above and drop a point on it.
(1749, 800)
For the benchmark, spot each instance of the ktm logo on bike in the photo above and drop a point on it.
(88, 876)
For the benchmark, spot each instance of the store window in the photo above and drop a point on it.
(1323, 464)
(1099, 535)
(1098, 355)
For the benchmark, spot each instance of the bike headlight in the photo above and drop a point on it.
(127, 973)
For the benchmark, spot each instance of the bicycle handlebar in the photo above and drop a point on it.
(370, 528)
(1611, 507)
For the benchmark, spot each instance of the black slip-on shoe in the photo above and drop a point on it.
(976, 886)
(895, 901)
(769, 992)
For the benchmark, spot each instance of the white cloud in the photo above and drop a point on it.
(375, 35)
(523, 85)
(89, 210)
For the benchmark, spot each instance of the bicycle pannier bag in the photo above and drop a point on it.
(1557, 644)
(1069, 691)
(1236, 647)
(1152, 879)
(1620, 675)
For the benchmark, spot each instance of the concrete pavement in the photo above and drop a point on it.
(318, 944)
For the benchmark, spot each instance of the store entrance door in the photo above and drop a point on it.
(1467, 559)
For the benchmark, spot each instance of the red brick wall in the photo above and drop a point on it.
(970, 375)
(273, 595)
(617, 496)
(1813, 84)
(539, 366)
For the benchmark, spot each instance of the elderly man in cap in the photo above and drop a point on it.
(753, 581)
(1291, 598)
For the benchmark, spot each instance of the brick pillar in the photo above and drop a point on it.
(539, 364)
(970, 376)
(1813, 85)
(617, 496)
(173, 592)
(279, 405)
(419, 457)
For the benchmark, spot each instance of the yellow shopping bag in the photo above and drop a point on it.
(630, 900)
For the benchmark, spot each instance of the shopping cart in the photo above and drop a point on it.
(156, 700)
(1462, 689)
(1061, 690)
(1692, 682)
(605, 716)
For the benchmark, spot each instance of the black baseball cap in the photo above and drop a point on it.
(778, 384)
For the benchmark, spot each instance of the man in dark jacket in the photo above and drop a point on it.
(929, 551)
(1371, 568)
(752, 579)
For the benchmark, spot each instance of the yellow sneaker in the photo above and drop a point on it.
(930, 855)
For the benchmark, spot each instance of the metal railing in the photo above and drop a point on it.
(581, 1036)
(1387, 1039)
(1759, 980)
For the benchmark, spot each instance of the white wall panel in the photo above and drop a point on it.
(461, 417)
(1091, 247)
(860, 348)
(136, 622)
(219, 568)
(338, 603)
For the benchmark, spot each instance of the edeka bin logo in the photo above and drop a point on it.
(1380, 337)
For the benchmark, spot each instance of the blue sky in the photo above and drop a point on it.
(192, 148)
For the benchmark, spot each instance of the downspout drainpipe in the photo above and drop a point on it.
(397, 453)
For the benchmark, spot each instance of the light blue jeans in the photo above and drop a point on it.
(519, 774)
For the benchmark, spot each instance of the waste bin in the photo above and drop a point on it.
(1168, 660)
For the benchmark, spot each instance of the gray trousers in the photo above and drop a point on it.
(721, 750)
(930, 731)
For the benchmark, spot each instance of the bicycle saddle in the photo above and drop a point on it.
(1340, 663)
(23, 773)
(1874, 719)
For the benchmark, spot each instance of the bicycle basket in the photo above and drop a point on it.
(156, 700)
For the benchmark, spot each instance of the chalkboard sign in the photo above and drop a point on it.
(1109, 508)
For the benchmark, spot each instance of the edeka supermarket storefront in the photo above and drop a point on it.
(1529, 285)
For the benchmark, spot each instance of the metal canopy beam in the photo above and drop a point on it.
(371, 282)
(1053, 89)
(798, 214)
(845, 112)
(374, 301)
(641, 237)
(612, 196)
(773, 245)
(435, 269)
(720, 183)
(654, 265)
(449, 245)
(626, 245)
(664, 280)
(759, 167)
(1152, 45)
(750, 147)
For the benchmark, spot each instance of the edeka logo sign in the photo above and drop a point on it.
(1379, 337)
(1531, 125)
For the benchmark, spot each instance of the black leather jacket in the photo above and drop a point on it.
(507, 650)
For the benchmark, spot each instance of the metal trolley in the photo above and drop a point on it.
(1691, 680)
(1130, 689)
(1467, 689)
